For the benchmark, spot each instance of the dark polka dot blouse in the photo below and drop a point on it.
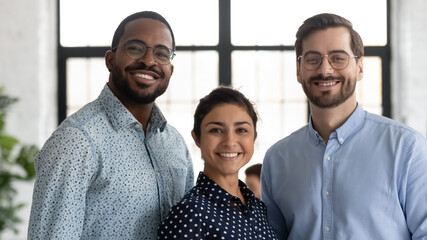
(209, 212)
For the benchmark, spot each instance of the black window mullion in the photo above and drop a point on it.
(224, 45)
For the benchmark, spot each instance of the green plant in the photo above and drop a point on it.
(16, 164)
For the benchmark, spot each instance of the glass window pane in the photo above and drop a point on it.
(268, 78)
(98, 19)
(85, 79)
(369, 89)
(275, 22)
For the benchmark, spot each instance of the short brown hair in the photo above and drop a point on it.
(254, 170)
(324, 21)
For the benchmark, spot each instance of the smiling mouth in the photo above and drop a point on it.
(140, 75)
(326, 84)
(228, 155)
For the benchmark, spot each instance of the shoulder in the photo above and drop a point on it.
(89, 115)
(189, 206)
(400, 139)
(193, 197)
(290, 140)
(391, 128)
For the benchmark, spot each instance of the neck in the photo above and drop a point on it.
(229, 183)
(327, 120)
(141, 112)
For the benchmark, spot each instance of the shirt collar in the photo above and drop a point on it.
(217, 194)
(120, 116)
(353, 123)
(315, 138)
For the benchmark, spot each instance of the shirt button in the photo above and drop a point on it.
(327, 229)
(341, 140)
(326, 193)
(328, 158)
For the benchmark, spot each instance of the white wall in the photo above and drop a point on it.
(28, 72)
(28, 67)
(409, 71)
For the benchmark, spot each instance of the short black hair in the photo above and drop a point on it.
(144, 14)
(218, 96)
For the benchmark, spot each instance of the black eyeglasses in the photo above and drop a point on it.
(338, 60)
(136, 49)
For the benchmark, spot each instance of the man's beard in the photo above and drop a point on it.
(327, 100)
(123, 86)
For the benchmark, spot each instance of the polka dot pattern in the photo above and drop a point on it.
(209, 212)
(99, 176)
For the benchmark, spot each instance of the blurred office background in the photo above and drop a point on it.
(51, 58)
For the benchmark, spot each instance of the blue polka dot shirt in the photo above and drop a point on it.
(99, 176)
(209, 212)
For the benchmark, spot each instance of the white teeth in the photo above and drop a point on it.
(144, 76)
(228, 154)
(327, 83)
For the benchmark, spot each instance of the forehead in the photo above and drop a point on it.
(227, 113)
(327, 40)
(151, 31)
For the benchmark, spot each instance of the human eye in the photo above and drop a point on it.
(135, 48)
(215, 130)
(312, 59)
(162, 53)
(338, 57)
(242, 130)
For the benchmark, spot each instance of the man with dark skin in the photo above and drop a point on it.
(113, 169)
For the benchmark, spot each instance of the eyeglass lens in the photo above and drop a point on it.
(137, 50)
(337, 60)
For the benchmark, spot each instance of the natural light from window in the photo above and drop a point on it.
(266, 77)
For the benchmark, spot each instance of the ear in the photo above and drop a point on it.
(195, 138)
(172, 69)
(299, 72)
(109, 58)
(359, 68)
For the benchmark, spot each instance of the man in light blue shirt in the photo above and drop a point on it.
(113, 169)
(348, 174)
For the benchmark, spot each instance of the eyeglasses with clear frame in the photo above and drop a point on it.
(338, 60)
(136, 49)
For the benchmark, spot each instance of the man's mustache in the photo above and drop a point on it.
(323, 78)
(144, 67)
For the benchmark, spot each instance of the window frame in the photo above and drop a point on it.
(224, 49)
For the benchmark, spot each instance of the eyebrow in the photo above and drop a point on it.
(140, 41)
(333, 51)
(222, 124)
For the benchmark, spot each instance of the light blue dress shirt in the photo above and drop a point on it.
(100, 177)
(368, 182)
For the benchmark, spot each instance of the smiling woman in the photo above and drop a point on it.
(221, 206)
(226, 142)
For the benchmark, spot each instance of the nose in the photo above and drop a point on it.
(148, 57)
(325, 67)
(229, 139)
